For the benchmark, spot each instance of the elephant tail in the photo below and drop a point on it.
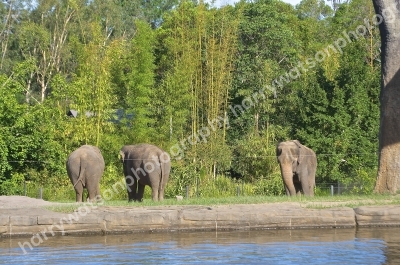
(162, 176)
(81, 174)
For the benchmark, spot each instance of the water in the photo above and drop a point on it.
(318, 246)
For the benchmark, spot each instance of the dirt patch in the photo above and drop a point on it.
(23, 202)
(12, 202)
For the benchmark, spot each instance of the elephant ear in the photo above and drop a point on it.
(121, 155)
(297, 142)
(278, 151)
(301, 151)
(295, 162)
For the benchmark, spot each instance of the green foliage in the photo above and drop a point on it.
(138, 85)
(178, 68)
(363, 182)
(271, 185)
(153, 11)
(267, 46)
(347, 117)
(181, 177)
(13, 185)
(27, 142)
(219, 187)
(255, 156)
(313, 9)
(112, 183)
(214, 153)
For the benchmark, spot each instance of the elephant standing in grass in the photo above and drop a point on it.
(145, 164)
(298, 165)
(85, 167)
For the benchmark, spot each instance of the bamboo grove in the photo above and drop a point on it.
(217, 88)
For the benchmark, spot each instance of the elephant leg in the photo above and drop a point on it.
(139, 195)
(287, 190)
(161, 193)
(312, 186)
(79, 191)
(154, 193)
(130, 181)
(308, 187)
(298, 187)
(132, 190)
(92, 190)
(97, 195)
(297, 184)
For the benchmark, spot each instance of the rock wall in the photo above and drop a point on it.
(91, 219)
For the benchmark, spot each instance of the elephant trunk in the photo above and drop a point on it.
(287, 175)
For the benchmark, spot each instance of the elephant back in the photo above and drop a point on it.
(85, 157)
(141, 152)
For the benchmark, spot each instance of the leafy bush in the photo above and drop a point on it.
(180, 177)
(13, 185)
(271, 185)
(254, 157)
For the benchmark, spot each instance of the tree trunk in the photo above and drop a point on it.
(389, 132)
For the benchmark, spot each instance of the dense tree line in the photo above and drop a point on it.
(217, 88)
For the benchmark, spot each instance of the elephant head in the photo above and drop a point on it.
(298, 165)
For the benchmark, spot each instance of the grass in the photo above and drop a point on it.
(318, 202)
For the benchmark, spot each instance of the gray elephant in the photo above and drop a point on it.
(85, 167)
(145, 164)
(298, 165)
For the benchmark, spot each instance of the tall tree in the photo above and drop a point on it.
(388, 179)
(316, 9)
(26, 141)
(177, 67)
(89, 91)
(10, 13)
(195, 84)
(154, 10)
(336, 111)
(43, 40)
(267, 47)
(133, 76)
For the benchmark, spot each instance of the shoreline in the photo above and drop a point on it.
(39, 223)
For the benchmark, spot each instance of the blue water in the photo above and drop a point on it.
(255, 247)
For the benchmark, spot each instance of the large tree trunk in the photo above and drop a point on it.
(389, 133)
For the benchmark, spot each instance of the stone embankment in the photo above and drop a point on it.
(33, 220)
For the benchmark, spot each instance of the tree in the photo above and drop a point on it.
(176, 66)
(315, 9)
(336, 112)
(267, 46)
(10, 13)
(154, 10)
(388, 179)
(337, 115)
(88, 91)
(27, 144)
(43, 39)
(133, 76)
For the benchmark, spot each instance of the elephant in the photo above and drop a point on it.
(298, 165)
(149, 165)
(85, 167)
